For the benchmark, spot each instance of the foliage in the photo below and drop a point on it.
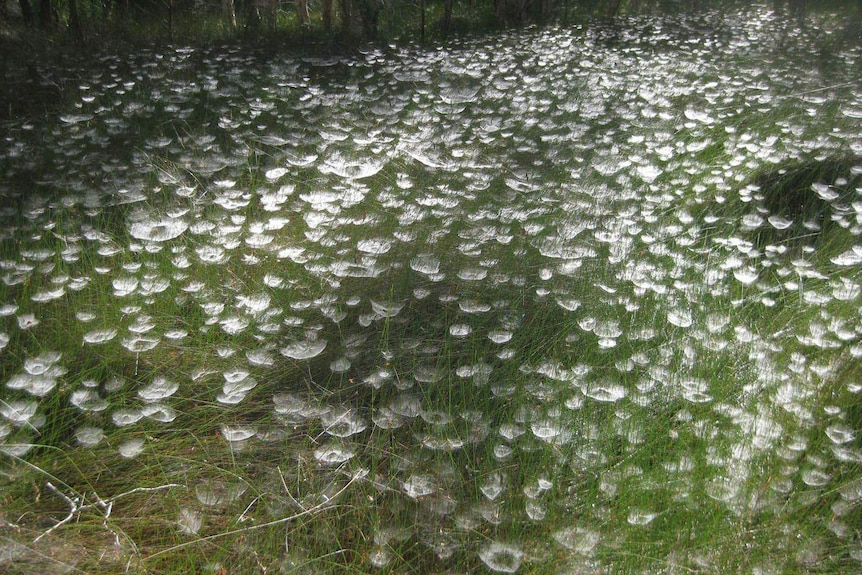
(528, 302)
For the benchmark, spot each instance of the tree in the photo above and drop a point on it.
(422, 12)
(253, 14)
(270, 10)
(302, 12)
(46, 14)
(346, 15)
(447, 15)
(230, 11)
(517, 11)
(27, 13)
(500, 10)
(107, 8)
(328, 10)
(75, 22)
(369, 15)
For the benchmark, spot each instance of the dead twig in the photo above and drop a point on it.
(326, 504)
(77, 505)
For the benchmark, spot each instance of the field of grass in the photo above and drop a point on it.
(569, 300)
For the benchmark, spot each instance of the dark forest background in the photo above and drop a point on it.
(96, 23)
(42, 40)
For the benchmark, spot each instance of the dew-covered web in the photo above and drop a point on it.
(530, 297)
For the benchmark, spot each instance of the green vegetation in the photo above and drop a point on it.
(580, 299)
(46, 41)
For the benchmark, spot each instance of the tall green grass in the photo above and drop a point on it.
(650, 483)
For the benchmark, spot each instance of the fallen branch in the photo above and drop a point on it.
(74, 507)
(327, 504)
(77, 506)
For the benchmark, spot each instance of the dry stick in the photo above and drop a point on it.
(76, 506)
(145, 490)
(322, 505)
(242, 518)
(109, 505)
(286, 490)
(73, 508)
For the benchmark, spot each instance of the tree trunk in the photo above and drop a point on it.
(302, 12)
(27, 13)
(107, 7)
(369, 14)
(421, 20)
(327, 14)
(270, 10)
(252, 17)
(346, 16)
(447, 15)
(500, 11)
(170, 20)
(230, 12)
(614, 7)
(75, 23)
(46, 14)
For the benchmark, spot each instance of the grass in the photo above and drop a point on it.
(656, 408)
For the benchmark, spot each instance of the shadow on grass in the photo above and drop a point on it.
(807, 199)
